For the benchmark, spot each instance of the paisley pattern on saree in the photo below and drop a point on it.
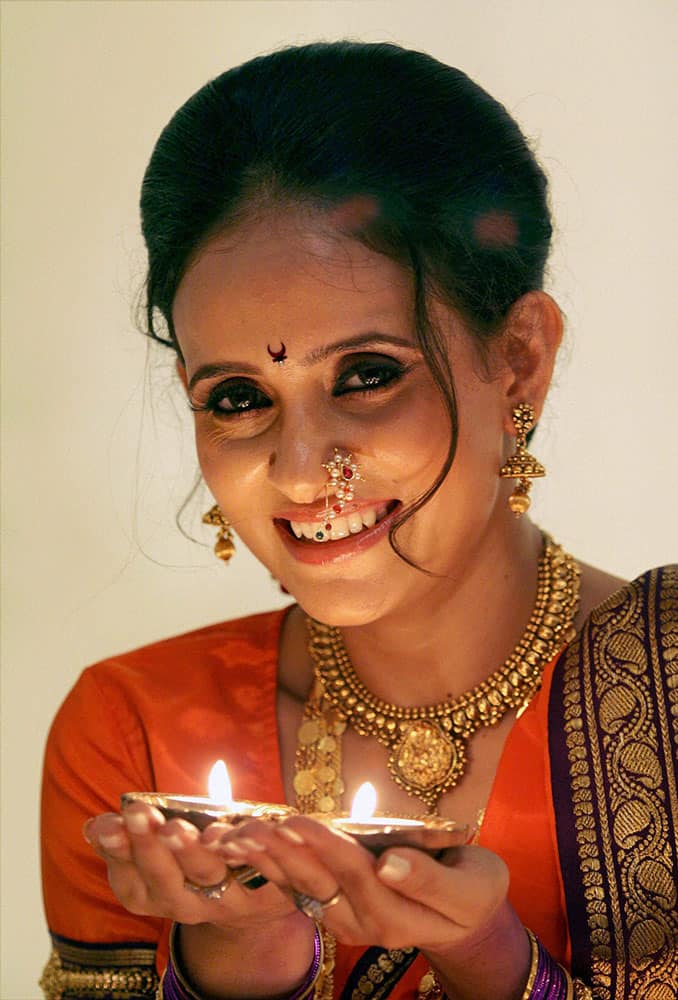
(613, 721)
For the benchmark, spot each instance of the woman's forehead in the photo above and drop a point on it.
(322, 244)
(286, 269)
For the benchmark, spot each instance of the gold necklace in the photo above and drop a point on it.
(427, 743)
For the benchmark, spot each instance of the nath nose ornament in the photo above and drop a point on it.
(343, 473)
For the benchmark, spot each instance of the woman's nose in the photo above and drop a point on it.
(296, 466)
(305, 444)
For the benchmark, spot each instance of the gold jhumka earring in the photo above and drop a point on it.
(224, 546)
(521, 465)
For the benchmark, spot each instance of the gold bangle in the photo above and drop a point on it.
(534, 963)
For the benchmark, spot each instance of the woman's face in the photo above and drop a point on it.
(354, 379)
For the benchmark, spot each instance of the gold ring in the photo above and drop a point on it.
(312, 907)
(215, 891)
(333, 900)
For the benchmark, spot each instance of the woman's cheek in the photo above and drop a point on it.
(216, 461)
(414, 437)
(234, 468)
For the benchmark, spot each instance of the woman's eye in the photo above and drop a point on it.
(366, 376)
(237, 396)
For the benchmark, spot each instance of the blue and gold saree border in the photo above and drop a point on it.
(613, 733)
(77, 969)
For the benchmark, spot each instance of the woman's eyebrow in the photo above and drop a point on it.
(312, 358)
(371, 339)
(222, 368)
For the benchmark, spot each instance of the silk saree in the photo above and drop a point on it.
(583, 808)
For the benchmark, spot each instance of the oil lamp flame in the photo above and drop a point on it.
(365, 802)
(219, 784)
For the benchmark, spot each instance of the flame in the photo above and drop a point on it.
(219, 784)
(365, 802)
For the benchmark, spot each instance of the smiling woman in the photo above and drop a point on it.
(355, 302)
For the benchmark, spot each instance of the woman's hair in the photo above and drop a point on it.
(457, 195)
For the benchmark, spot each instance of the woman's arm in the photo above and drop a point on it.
(89, 757)
(104, 919)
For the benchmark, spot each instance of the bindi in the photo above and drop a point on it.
(278, 357)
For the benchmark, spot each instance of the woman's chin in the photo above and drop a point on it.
(343, 603)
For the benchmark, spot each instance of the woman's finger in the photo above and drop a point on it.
(198, 865)
(308, 869)
(108, 837)
(155, 861)
(466, 887)
(338, 878)
(212, 834)
(386, 901)
(247, 845)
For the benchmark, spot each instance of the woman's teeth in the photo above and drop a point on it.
(339, 527)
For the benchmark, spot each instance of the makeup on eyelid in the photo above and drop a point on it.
(377, 373)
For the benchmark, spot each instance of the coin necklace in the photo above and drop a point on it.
(427, 744)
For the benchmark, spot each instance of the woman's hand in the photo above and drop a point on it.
(454, 910)
(247, 943)
(149, 861)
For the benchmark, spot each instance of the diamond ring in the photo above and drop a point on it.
(315, 908)
(215, 891)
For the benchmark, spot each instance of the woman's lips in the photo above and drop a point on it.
(317, 552)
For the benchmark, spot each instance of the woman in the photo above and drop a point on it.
(346, 252)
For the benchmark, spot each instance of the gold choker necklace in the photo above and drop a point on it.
(427, 743)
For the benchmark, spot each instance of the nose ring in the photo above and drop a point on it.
(343, 473)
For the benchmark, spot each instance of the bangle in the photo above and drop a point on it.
(175, 986)
(547, 980)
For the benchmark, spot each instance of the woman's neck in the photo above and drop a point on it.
(452, 637)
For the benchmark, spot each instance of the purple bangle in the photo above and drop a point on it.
(171, 988)
(548, 981)
(307, 987)
(174, 985)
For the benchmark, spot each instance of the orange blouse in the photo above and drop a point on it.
(158, 717)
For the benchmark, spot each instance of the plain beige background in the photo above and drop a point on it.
(97, 448)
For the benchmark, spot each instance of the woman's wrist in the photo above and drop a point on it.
(492, 963)
(547, 980)
(245, 973)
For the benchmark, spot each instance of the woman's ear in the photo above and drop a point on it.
(181, 372)
(528, 348)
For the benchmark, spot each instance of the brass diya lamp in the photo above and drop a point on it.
(217, 805)
(379, 831)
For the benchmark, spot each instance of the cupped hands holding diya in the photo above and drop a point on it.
(360, 327)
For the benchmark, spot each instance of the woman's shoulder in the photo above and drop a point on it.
(630, 625)
(246, 647)
(598, 587)
(219, 667)
(257, 632)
